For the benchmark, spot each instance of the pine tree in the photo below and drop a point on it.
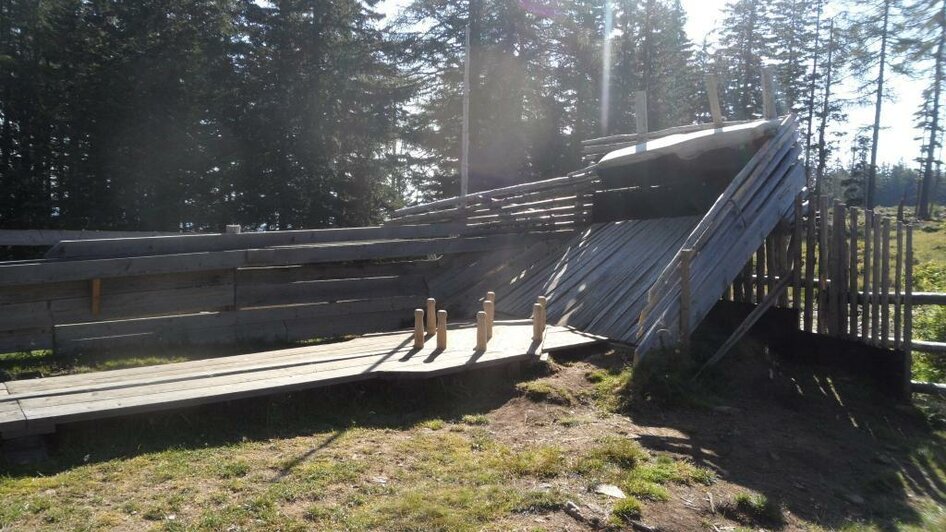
(744, 46)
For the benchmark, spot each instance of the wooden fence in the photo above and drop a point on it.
(847, 271)
(96, 295)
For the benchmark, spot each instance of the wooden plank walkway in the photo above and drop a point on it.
(36, 405)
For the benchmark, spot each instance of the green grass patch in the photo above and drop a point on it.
(545, 392)
(475, 419)
(544, 461)
(626, 510)
(609, 387)
(754, 508)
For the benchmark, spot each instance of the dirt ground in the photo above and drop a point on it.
(774, 445)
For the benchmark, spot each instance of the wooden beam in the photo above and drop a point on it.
(768, 94)
(712, 92)
(640, 111)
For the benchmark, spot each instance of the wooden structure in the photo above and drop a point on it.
(35, 406)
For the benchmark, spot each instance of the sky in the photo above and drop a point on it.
(896, 140)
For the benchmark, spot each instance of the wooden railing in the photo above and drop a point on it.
(94, 295)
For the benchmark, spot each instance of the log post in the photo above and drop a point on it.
(418, 328)
(490, 309)
(538, 322)
(431, 316)
(441, 329)
(898, 290)
(712, 92)
(853, 277)
(768, 94)
(481, 337)
(908, 311)
(865, 306)
(875, 288)
(885, 283)
(640, 113)
(796, 254)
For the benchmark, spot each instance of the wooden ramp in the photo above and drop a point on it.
(37, 405)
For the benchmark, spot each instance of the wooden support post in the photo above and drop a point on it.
(441, 329)
(640, 112)
(768, 94)
(897, 286)
(875, 288)
(823, 251)
(418, 328)
(431, 316)
(771, 261)
(852, 277)
(885, 285)
(712, 91)
(747, 281)
(481, 337)
(491, 296)
(908, 310)
(841, 296)
(538, 322)
(811, 245)
(96, 296)
(490, 309)
(686, 258)
(865, 306)
(784, 266)
(796, 254)
(233, 229)
(760, 273)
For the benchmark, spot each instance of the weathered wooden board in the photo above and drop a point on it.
(57, 400)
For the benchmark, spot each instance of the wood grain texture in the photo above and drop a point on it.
(55, 400)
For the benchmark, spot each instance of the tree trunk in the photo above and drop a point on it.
(923, 207)
(825, 108)
(872, 170)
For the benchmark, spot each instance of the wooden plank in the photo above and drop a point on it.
(193, 243)
(64, 399)
(49, 237)
(885, 283)
(685, 296)
(868, 269)
(27, 339)
(842, 296)
(54, 271)
(811, 244)
(898, 283)
(329, 290)
(853, 276)
(823, 257)
(908, 306)
(875, 287)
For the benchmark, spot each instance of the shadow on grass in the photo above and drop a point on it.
(808, 440)
(370, 404)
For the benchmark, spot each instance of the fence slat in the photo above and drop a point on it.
(853, 277)
(865, 306)
(897, 303)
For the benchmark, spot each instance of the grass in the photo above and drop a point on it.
(626, 510)
(541, 391)
(755, 508)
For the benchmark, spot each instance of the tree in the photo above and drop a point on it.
(744, 45)
(871, 30)
(924, 46)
